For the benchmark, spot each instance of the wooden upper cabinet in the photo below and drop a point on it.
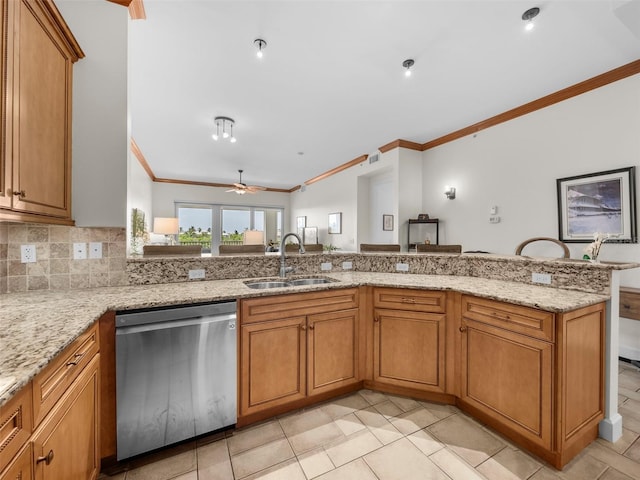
(5, 105)
(38, 61)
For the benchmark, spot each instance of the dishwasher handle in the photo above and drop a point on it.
(185, 322)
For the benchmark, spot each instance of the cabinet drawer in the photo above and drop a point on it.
(15, 424)
(515, 318)
(407, 299)
(51, 383)
(283, 306)
(21, 467)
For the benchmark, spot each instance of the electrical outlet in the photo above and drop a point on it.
(541, 278)
(95, 250)
(79, 251)
(196, 274)
(402, 267)
(325, 266)
(27, 253)
(347, 265)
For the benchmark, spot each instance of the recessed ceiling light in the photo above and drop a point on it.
(407, 64)
(528, 17)
(260, 45)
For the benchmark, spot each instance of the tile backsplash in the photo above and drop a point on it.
(55, 268)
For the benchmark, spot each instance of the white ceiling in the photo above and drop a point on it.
(331, 82)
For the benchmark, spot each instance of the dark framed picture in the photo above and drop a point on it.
(387, 222)
(602, 202)
(335, 223)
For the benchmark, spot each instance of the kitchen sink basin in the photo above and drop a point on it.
(262, 284)
(309, 281)
(269, 284)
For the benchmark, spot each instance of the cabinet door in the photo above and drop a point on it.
(409, 349)
(6, 9)
(21, 467)
(42, 75)
(272, 364)
(66, 443)
(332, 351)
(508, 377)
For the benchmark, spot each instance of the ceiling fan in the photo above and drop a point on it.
(241, 188)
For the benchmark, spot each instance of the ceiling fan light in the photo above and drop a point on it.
(233, 139)
(215, 136)
(225, 135)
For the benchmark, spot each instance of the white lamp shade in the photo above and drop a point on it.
(165, 225)
(253, 237)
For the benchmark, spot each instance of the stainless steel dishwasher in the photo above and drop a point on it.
(175, 374)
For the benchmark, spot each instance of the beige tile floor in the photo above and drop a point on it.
(370, 435)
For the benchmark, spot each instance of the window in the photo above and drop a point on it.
(212, 225)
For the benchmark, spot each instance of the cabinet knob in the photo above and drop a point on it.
(303, 327)
(376, 319)
(463, 329)
(47, 459)
(311, 327)
(20, 194)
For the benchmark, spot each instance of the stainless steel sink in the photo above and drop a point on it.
(262, 284)
(309, 281)
(268, 284)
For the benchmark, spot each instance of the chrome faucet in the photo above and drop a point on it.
(283, 266)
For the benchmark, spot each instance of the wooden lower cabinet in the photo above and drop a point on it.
(409, 349)
(509, 376)
(332, 351)
(534, 376)
(65, 445)
(286, 361)
(273, 364)
(22, 466)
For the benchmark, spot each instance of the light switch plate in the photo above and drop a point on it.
(325, 266)
(347, 265)
(79, 251)
(95, 250)
(402, 267)
(196, 274)
(544, 278)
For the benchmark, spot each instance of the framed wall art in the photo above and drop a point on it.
(335, 223)
(387, 222)
(301, 222)
(602, 202)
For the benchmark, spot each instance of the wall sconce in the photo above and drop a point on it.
(166, 226)
(450, 192)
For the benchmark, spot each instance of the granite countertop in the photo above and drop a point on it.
(35, 327)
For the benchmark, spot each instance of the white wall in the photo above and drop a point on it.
(140, 193)
(347, 192)
(515, 165)
(100, 138)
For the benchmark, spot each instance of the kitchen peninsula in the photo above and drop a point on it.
(477, 296)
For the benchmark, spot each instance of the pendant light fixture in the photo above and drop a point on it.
(407, 64)
(224, 124)
(261, 45)
(528, 17)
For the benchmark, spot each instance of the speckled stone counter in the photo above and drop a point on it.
(35, 327)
